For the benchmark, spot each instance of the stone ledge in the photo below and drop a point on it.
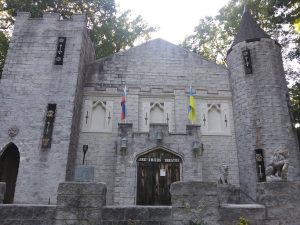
(232, 212)
(82, 188)
(190, 188)
(242, 206)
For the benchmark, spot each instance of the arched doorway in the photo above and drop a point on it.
(9, 165)
(156, 170)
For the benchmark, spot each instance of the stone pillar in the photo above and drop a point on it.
(2, 191)
(181, 100)
(193, 137)
(282, 201)
(84, 173)
(228, 194)
(122, 196)
(195, 201)
(80, 203)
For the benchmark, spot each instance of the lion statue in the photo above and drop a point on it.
(278, 168)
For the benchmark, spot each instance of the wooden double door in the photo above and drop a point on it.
(156, 171)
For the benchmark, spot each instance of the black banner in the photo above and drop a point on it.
(247, 61)
(60, 51)
(260, 165)
(48, 129)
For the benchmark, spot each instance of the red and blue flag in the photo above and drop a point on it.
(123, 104)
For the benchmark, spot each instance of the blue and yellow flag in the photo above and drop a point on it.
(192, 111)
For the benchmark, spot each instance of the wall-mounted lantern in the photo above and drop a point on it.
(158, 135)
(197, 146)
(124, 144)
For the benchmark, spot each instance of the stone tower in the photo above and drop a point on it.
(260, 103)
(40, 98)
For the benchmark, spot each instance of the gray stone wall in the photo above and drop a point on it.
(161, 72)
(87, 54)
(80, 203)
(84, 203)
(196, 201)
(282, 201)
(27, 214)
(261, 114)
(30, 81)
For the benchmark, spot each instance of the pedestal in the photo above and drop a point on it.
(84, 173)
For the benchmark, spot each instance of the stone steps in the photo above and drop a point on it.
(254, 213)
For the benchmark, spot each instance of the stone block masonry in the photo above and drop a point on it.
(80, 203)
(84, 203)
(157, 72)
(261, 114)
(282, 200)
(29, 83)
(27, 214)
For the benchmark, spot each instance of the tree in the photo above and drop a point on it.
(279, 18)
(209, 40)
(119, 33)
(3, 50)
(295, 103)
(213, 36)
(110, 30)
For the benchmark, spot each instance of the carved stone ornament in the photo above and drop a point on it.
(278, 168)
(224, 173)
(13, 131)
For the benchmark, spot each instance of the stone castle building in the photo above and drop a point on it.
(57, 100)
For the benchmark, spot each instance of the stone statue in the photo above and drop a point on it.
(224, 172)
(278, 168)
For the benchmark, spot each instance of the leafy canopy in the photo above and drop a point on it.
(111, 30)
(279, 18)
(213, 36)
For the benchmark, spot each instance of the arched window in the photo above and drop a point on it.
(214, 118)
(98, 115)
(157, 113)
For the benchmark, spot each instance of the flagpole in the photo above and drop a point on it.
(125, 92)
(191, 90)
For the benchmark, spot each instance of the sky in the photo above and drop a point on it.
(175, 18)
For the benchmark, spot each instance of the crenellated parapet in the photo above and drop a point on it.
(50, 16)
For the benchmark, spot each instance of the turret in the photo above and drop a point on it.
(41, 92)
(260, 105)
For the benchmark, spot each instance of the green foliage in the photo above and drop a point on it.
(295, 102)
(3, 50)
(119, 33)
(279, 18)
(209, 40)
(111, 31)
(197, 213)
(243, 221)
